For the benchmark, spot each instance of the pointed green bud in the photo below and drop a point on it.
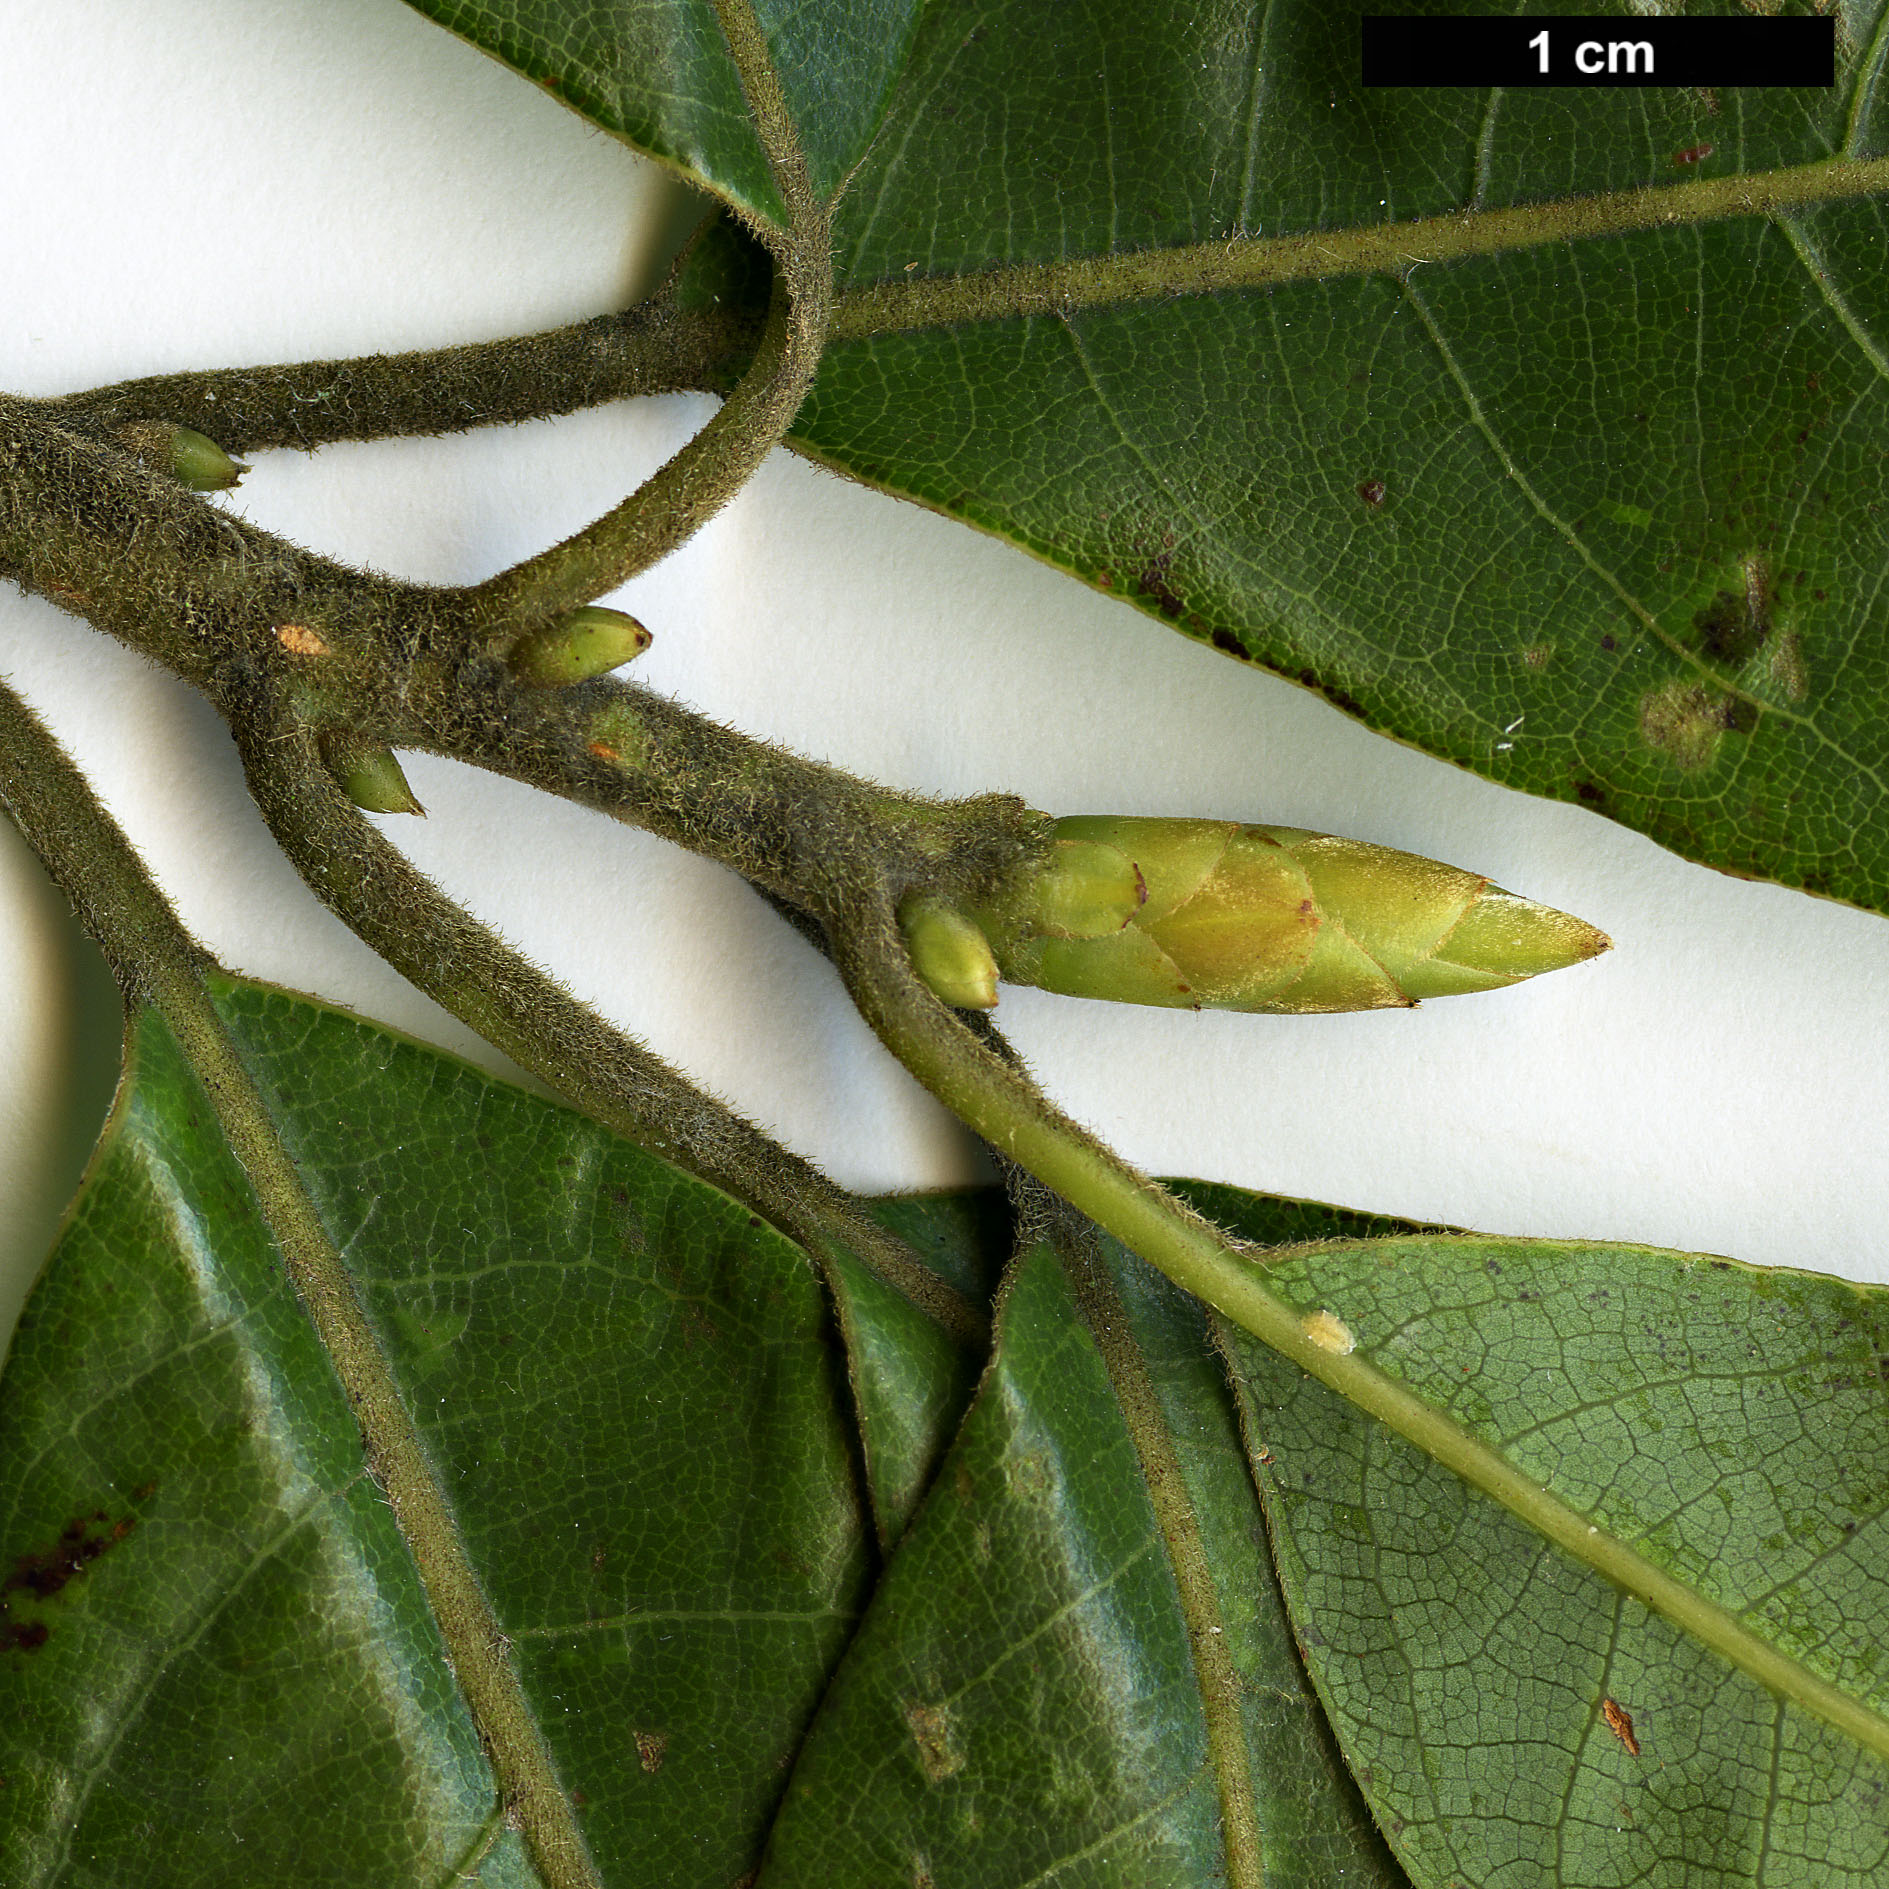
(369, 775)
(1276, 919)
(949, 953)
(588, 642)
(189, 457)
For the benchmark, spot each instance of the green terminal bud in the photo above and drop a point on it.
(588, 642)
(189, 457)
(949, 953)
(1267, 918)
(369, 775)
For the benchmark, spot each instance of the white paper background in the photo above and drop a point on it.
(210, 182)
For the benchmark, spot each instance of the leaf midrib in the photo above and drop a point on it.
(1387, 1400)
(1217, 1682)
(1011, 291)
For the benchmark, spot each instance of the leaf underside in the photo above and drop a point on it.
(221, 1669)
(1597, 518)
(1512, 1716)
(657, 73)
(628, 1391)
(1021, 1704)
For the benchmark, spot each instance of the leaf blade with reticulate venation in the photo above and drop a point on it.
(1507, 1710)
(660, 77)
(1541, 430)
(627, 1387)
(1022, 1704)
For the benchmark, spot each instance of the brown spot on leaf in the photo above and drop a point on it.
(1692, 154)
(45, 1571)
(1332, 693)
(1154, 583)
(934, 1735)
(651, 1748)
(1372, 492)
(1620, 1723)
(1229, 644)
(1686, 720)
(1787, 666)
(41, 1573)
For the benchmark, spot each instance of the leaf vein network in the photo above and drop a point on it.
(1581, 549)
(132, 1710)
(1199, 527)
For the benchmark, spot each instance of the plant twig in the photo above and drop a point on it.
(455, 960)
(267, 630)
(1009, 1111)
(653, 348)
(670, 507)
(157, 960)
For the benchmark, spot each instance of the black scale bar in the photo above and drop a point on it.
(1598, 49)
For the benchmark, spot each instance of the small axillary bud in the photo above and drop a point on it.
(1265, 918)
(368, 774)
(191, 458)
(587, 642)
(950, 954)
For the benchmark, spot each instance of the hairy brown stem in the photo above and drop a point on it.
(653, 348)
(670, 507)
(158, 962)
(266, 630)
(455, 960)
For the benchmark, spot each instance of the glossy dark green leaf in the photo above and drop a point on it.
(660, 76)
(911, 1380)
(218, 1664)
(1512, 1715)
(1022, 1704)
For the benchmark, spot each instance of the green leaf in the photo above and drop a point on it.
(660, 76)
(1022, 1703)
(1539, 429)
(220, 1666)
(1579, 495)
(911, 1380)
(223, 1668)
(1510, 1713)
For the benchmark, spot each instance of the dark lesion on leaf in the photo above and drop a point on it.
(1620, 1723)
(42, 1573)
(1732, 629)
(1155, 585)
